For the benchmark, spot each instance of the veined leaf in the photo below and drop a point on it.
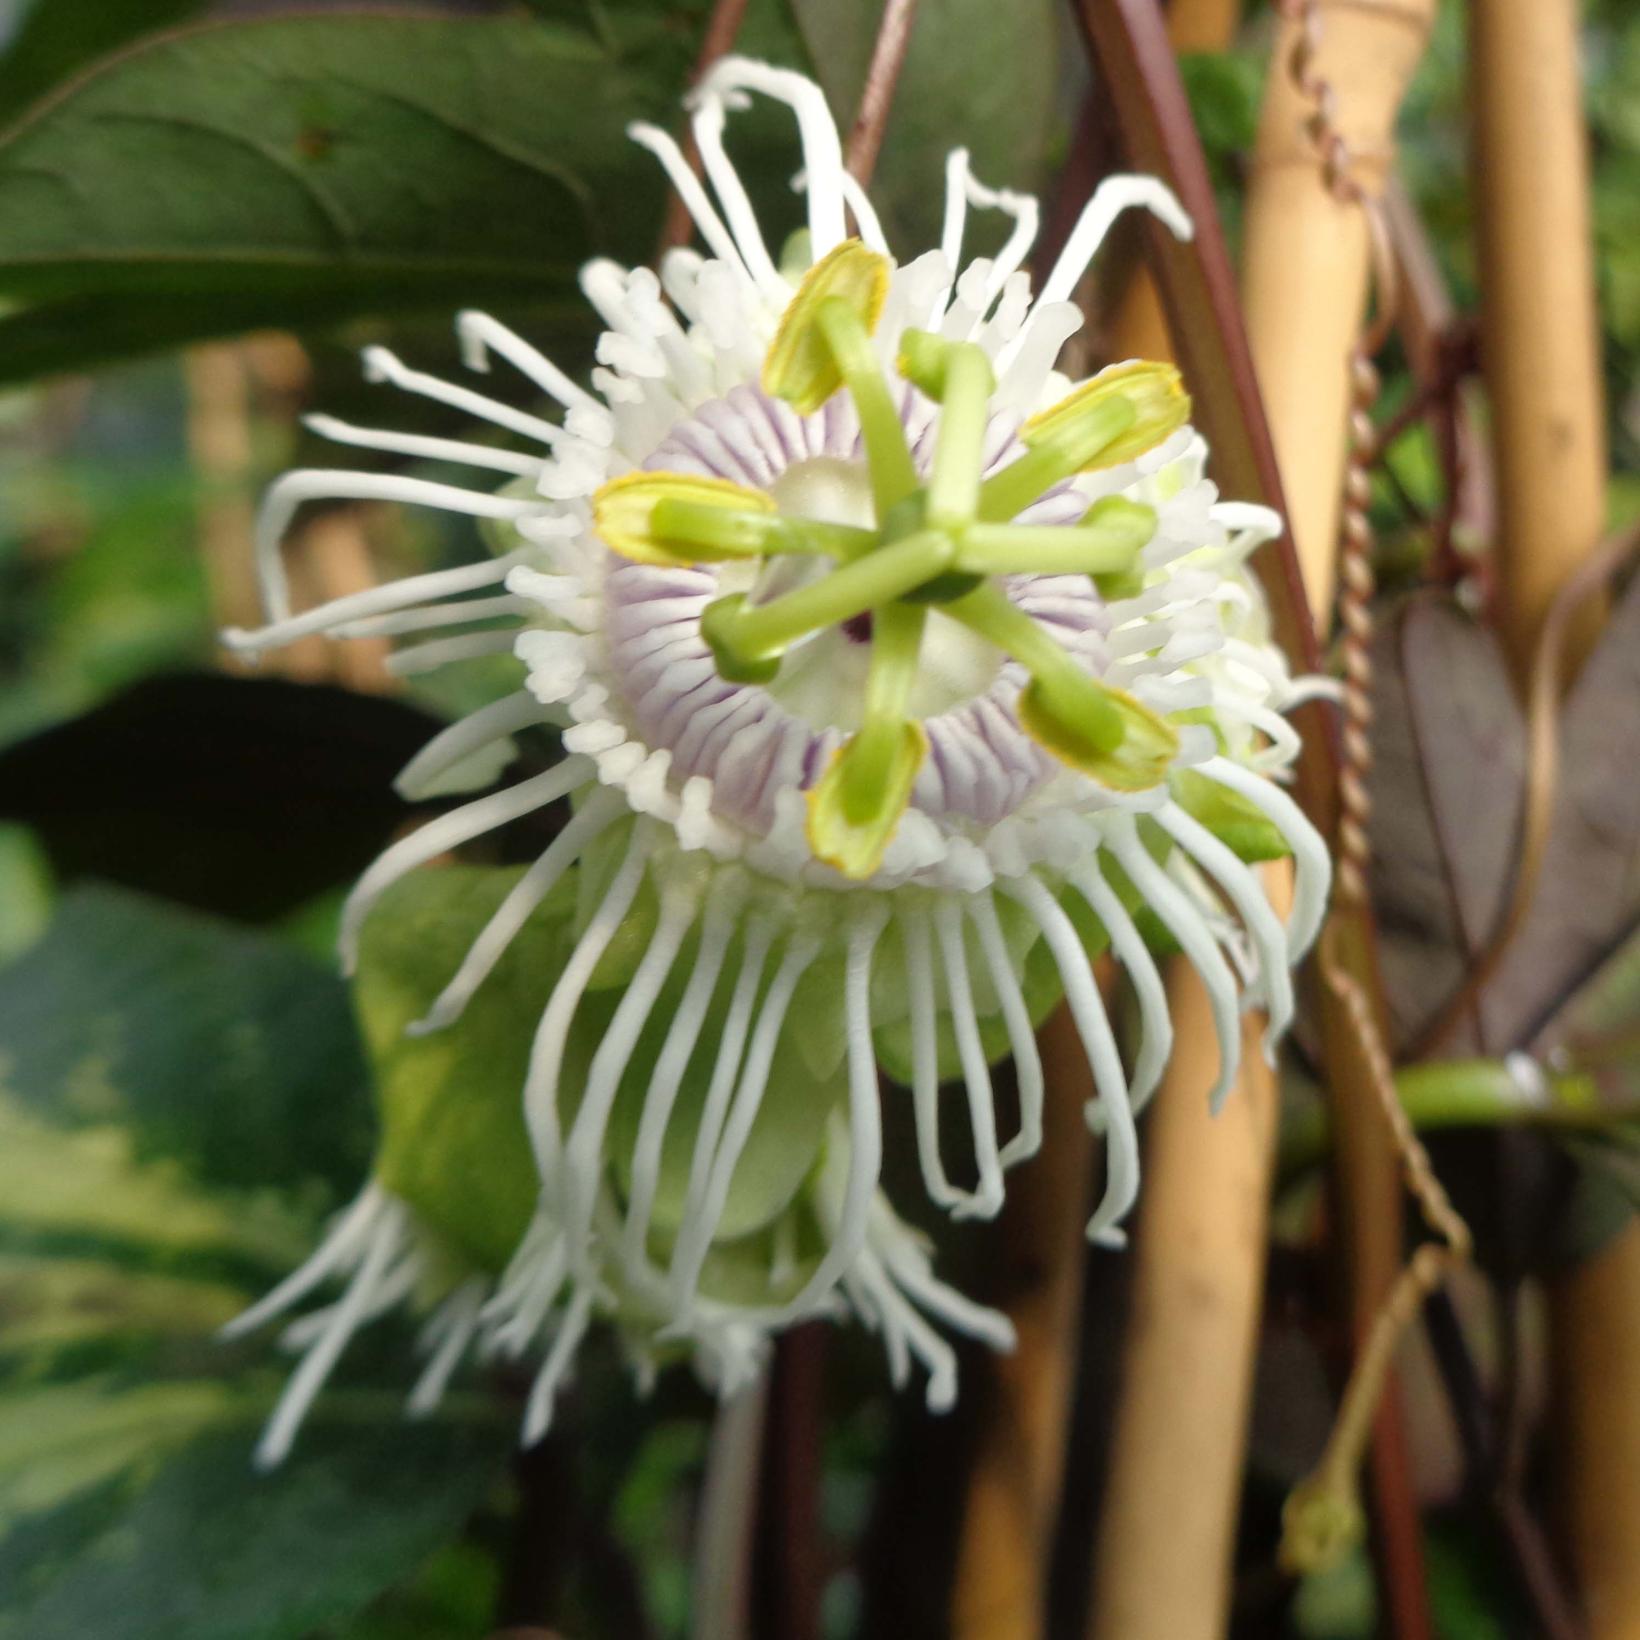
(281, 169)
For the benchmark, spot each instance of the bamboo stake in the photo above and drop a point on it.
(1013, 1497)
(1167, 1527)
(1306, 255)
(1541, 358)
(1540, 331)
(1595, 1328)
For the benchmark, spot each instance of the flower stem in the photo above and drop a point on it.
(989, 612)
(893, 477)
(1022, 481)
(1107, 544)
(953, 490)
(731, 533)
(867, 583)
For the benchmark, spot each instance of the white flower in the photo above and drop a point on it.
(931, 943)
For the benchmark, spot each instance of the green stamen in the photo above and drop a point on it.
(762, 631)
(1108, 540)
(888, 455)
(965, 405)
(989, 612)
(1052, 460)
(855, 808)
(705, 531)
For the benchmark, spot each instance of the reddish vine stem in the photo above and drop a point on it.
(865, 138)
(722, 30)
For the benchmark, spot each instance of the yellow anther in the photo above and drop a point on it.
(1155, 393)
(1057, 711)
(623, 515)
(851, 834)
(800, 365)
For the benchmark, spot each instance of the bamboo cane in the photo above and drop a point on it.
(1541, 358)
(1167, 1526)
(1306, 255)
(1540, 330)
(1014, 1487)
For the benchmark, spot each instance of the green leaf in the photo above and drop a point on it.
(453, 1140)
(977, 75)
(55, 41)
(454, 1143)
(135, 1512)
(89, 1188)
(224, 1049)
(288, 169)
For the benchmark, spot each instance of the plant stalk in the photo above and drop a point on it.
(1162, 1567)
(1540, 333)
(1307, 251)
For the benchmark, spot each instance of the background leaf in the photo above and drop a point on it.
(226, 1049)
(245, 796)
(977, 75)
(272, 171)
(54, 41)
(182, 1542)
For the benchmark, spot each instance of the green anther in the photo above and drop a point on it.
(888, 456)
(623, 514)
(1058, 715)
(800, 366)
(868, 583)
(718, 627)
(1104, 732)
(855, 808)
(703, 531)
(1154, 391)
(965, 407)
(1107, 541)
(1051, 460)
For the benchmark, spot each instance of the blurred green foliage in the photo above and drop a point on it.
(183, 1097)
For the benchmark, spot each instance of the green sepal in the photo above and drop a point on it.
(1237, 823)
(453, 1143)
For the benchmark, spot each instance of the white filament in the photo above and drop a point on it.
(340, 1250)
(1185, 923)
(447, 1336)
(544, 1391)
(288, 493)
(759, 937)
(708, 128)
(480, 336)
(437, 836)
(1021, 1038)
(1246, 894)
(419, 445)
(925, 1076)
(696, 1236)
(384, 366)
(1114, 1114)
(976, 1073)
(594, 817)
(583, 1152)
(452, 746)
(1110, 199)
(547, 1050)
(316, 1366)
(1312, 865)
(1155, 1020)
(686, 184)
(865, 1129)
(822, 150)
(717, 929)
